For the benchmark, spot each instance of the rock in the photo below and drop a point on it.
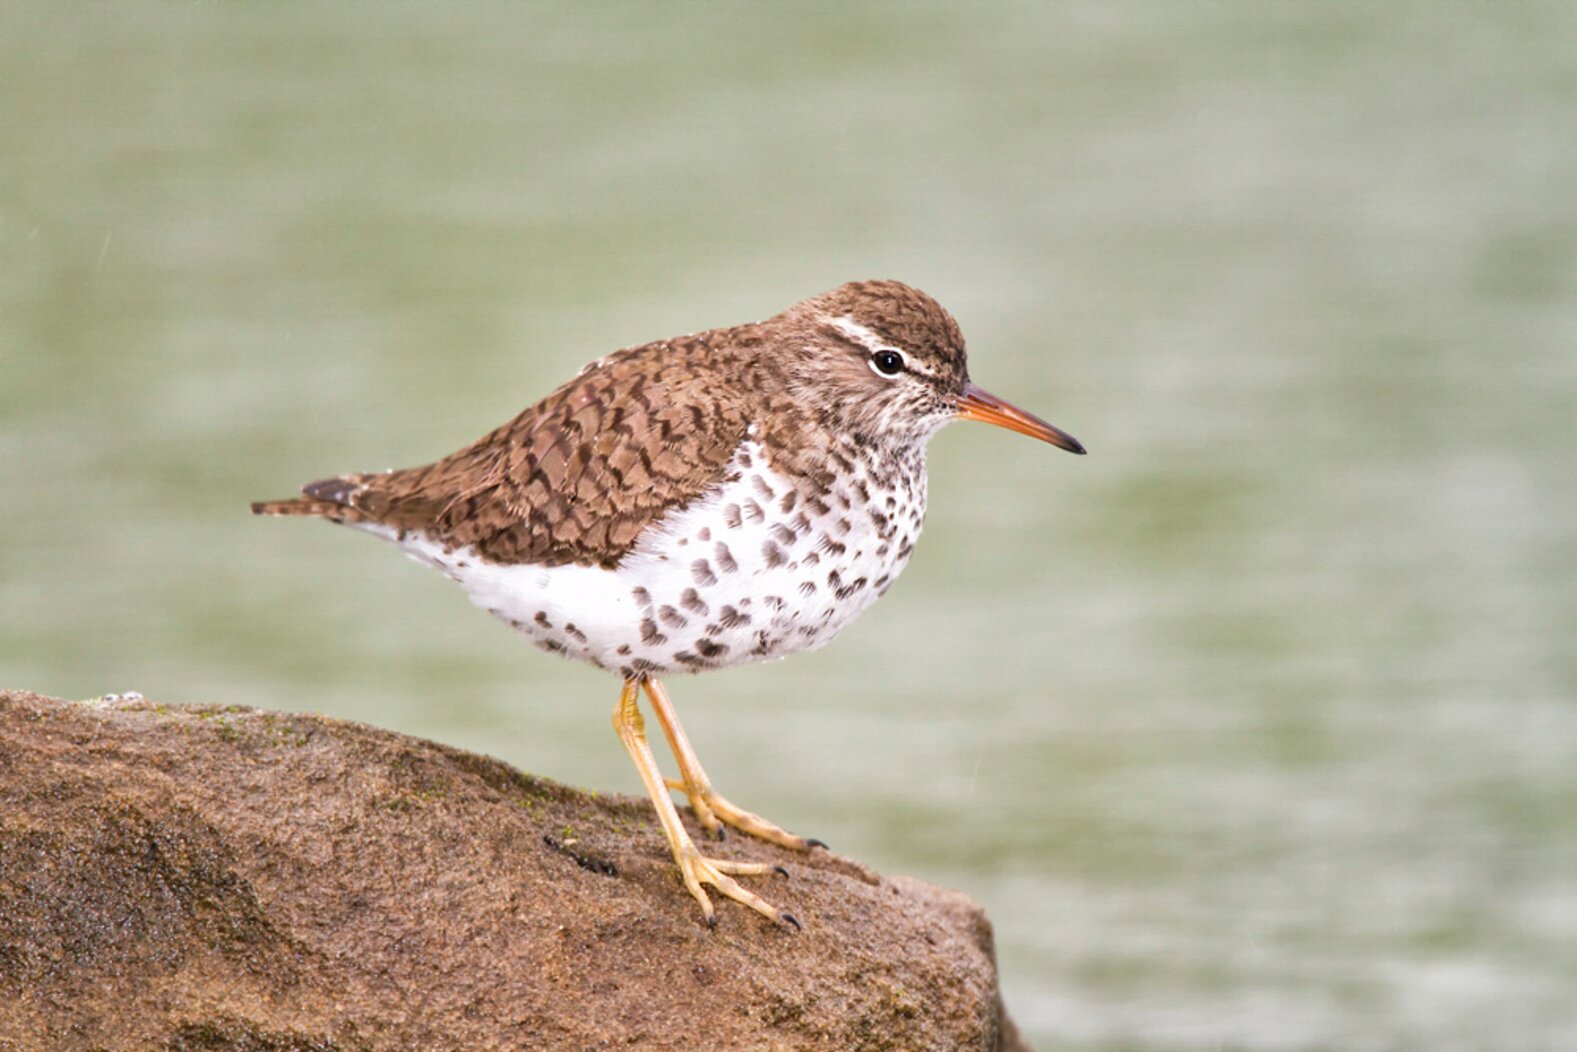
(186, 878)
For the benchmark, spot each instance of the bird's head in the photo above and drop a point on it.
(884, 360)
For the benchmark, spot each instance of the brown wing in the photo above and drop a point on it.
(573, 479)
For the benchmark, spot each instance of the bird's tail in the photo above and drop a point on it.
(325, 499)
(321, 509)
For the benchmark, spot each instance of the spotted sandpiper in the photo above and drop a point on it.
(730, 496)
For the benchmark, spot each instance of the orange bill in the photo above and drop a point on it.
(989, 409)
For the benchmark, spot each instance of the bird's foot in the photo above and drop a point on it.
(713, 811)
(696, 869)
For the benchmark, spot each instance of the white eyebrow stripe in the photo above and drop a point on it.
(873, 343)
(861, 335)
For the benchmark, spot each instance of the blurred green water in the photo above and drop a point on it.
(1257, 728)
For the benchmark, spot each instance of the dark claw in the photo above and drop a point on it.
(721, 833)
(811, 841)
(788, 918)
(711, 921)
(781, 872)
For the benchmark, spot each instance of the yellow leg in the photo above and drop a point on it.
(711, 808)
(693, 868)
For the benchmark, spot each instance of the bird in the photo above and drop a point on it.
(725, 497)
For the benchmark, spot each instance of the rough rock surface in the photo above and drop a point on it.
(185, 878)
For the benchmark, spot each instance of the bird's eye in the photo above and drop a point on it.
(888, 363)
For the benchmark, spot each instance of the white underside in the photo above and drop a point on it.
(728, 579)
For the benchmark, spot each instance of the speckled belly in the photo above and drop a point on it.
(760, 568)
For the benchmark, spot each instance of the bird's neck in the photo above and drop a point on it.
(887, 466)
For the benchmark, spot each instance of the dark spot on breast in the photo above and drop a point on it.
(710, 649)
(552, 646)
(641, 596)
(790, 498)
(705, 532)
(774, 555)
(761, 487)
(753, 512)
(701, 570)
(844, 525)
(725, 558)
(731, 517)
(849, 589)
(774, 601)
(728, 617)
(672, 617)
(574, 633)
(690, 599)
(684, 657)
(624, 650)
(832, 547)
(542, 619)
(744, 458)
(811, 559)
(783, 534)
(763, 643)
(807, 588)
(649, 634)
(818, 506)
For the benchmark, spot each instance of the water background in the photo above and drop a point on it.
(1254, 729)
